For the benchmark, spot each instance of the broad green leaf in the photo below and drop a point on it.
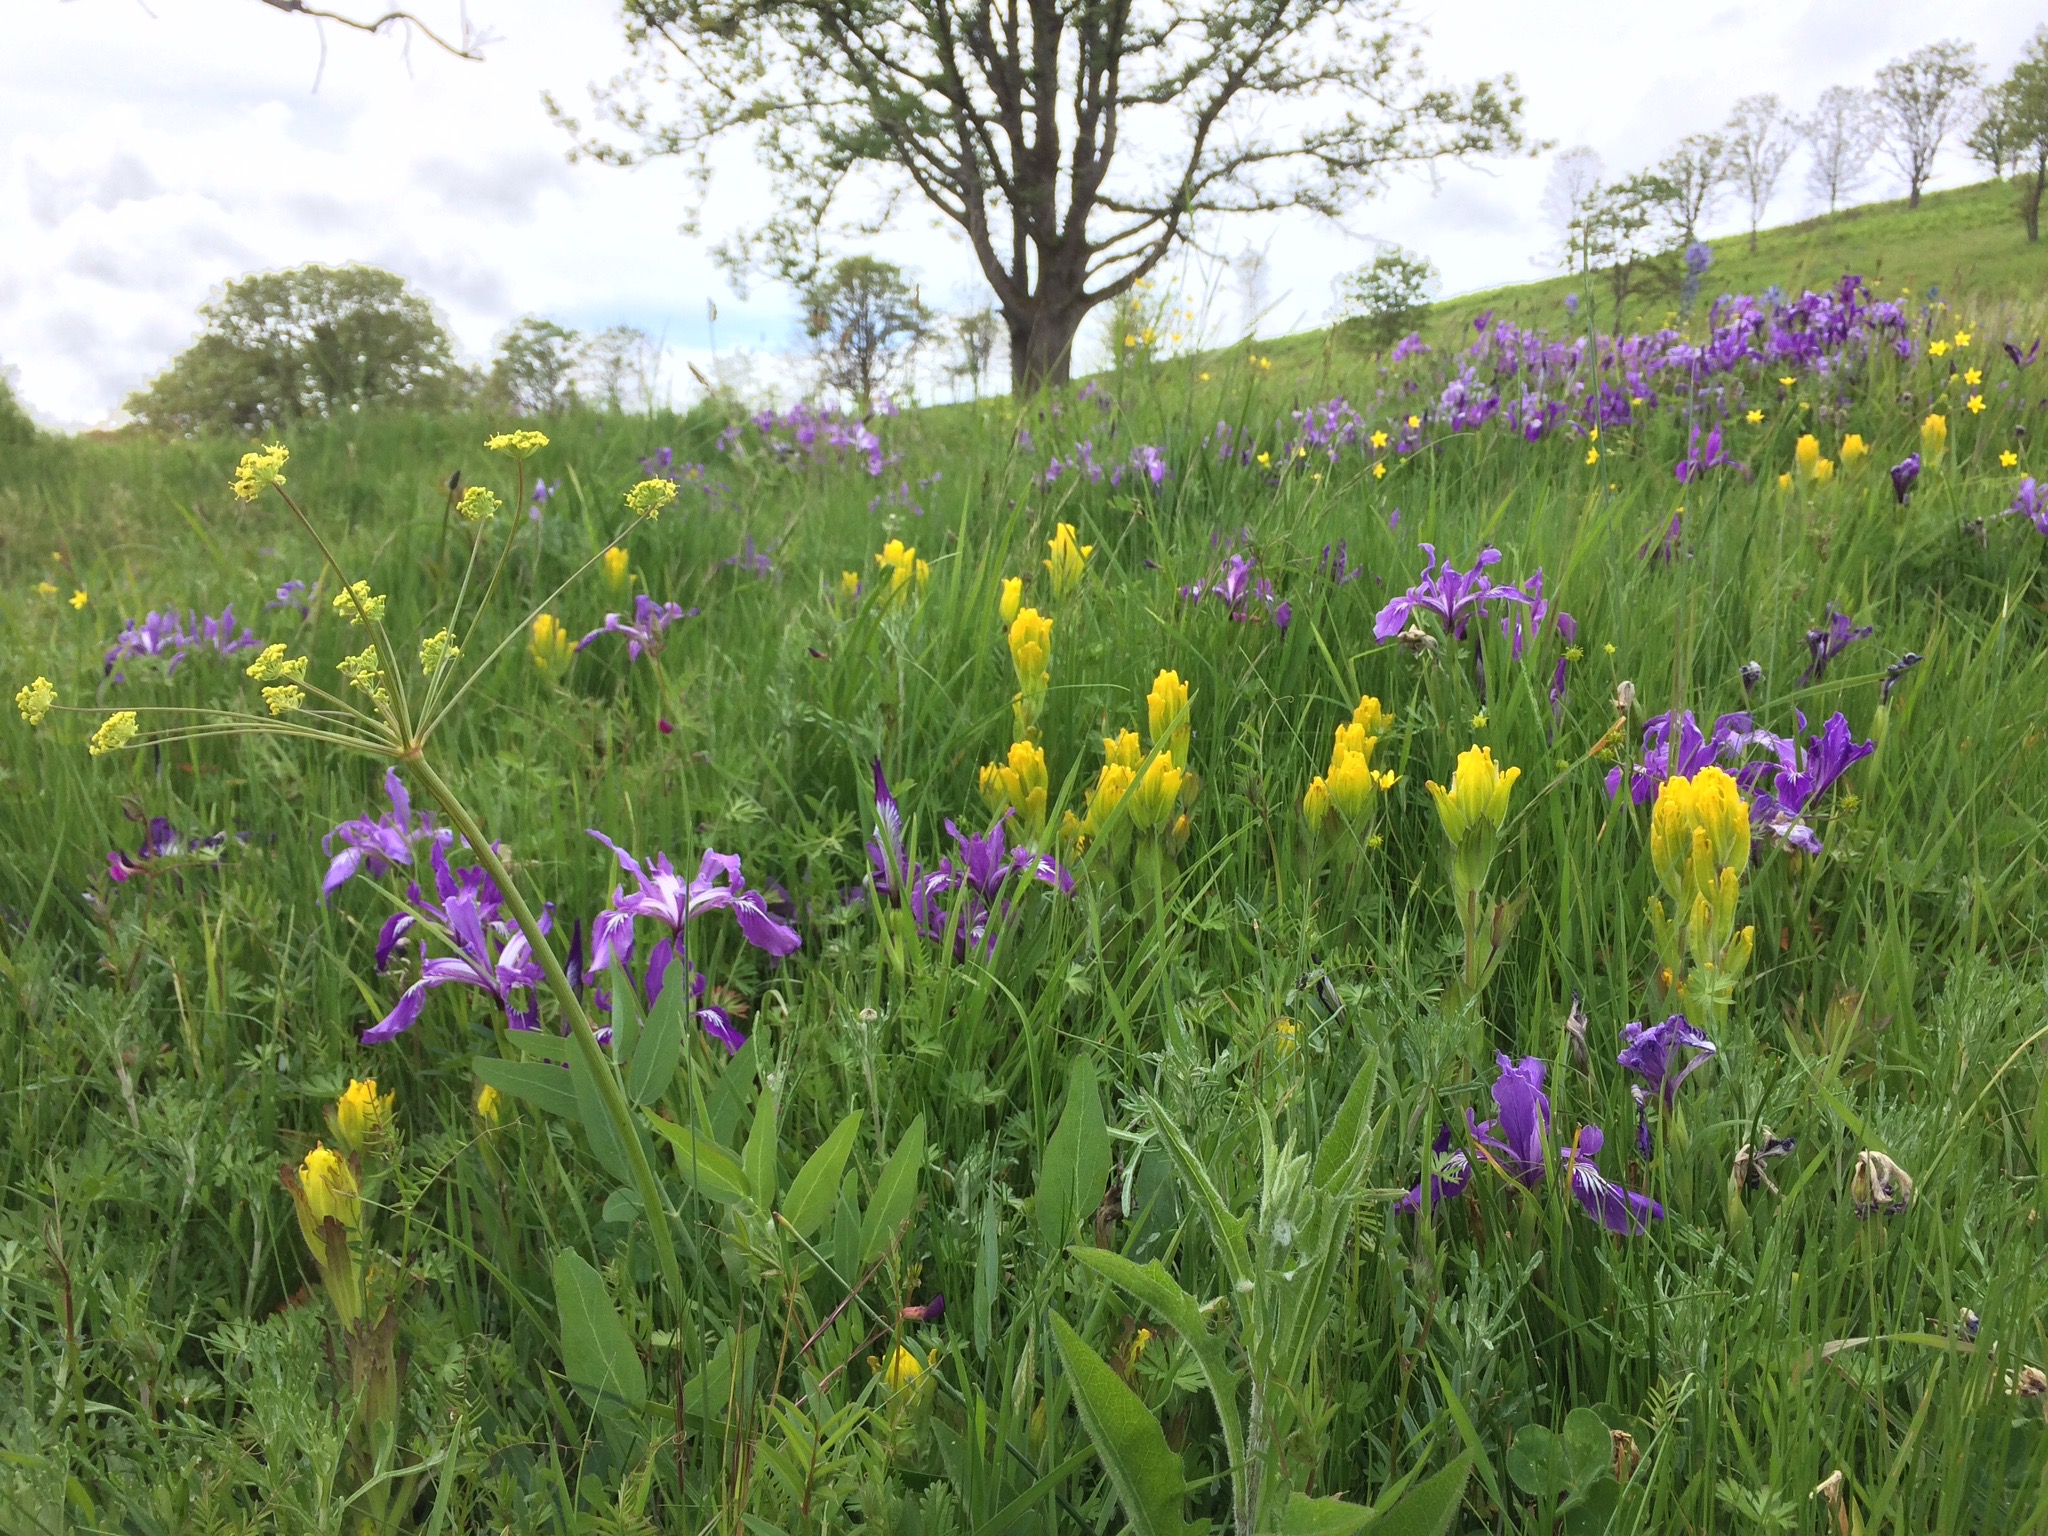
(1346, 1148)
(1150, 1285)
(809, 1200)
(1430, 1506)
(597, 1352)
(625, 1013)
(1226, 1230)
(605, 1145)
(759, 1158)
(652, 1066)
(1076, 1164)
(708, 1168)
(1147, 1476)
(1537, 1462)
(895, 1194)
(546, 1088)
(1305, 1516)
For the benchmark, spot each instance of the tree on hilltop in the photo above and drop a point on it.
(1921, 99)
(1014, 123)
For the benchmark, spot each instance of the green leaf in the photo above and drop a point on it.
(759, 1158)
(895, 1194)
(706, 1166)
(547, 1088)
(1346, 1148)
(1226, 1231)
(708, 1396)
(809, 1200)
(1076, 1164)
(625, 1013)
(652, 1066)
(1430, 1506)
(1305, 1516)
(605, 1145)
(597, 1352)
(1588, 1447)
(1537, 1463)
(1147, 1476)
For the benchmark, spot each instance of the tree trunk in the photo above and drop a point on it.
(1042, 343)
(2030, 204)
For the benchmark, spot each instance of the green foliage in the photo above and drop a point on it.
(308, 342)
(866, 323)
(1389, 295)
(16, 430)
(535, 369)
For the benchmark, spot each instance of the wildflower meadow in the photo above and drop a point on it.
(1436, 940)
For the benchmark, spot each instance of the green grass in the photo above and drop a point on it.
(169, 1362)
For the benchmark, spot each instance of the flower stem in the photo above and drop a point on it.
(617, 1110)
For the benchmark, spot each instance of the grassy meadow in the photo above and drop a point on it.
(1223, 1041)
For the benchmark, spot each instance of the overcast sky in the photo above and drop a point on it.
(150, 153)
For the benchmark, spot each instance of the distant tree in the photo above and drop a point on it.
(1920, 100)
(1574, 178)
(1389, 295)
(1625, 232)
(537, 368)
(1760, 142)
(1694, 173)
(1842, 133)
(1074, 145)
(622, 368)
(1990, 139)
(310, 341)
(15, 427)
(976, 335)
(2023, 101)
(866, 322)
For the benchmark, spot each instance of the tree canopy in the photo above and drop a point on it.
(1073, 143)
(308, 341)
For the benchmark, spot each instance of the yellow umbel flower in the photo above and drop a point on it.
(259, 471)
(1933, 437)
(36, 700)
(1168, 720)
(613, 563)
(115, 732)
(1012, 599)
(363, 1117)
(283, 698)
(478, 503)
(271, 665)
(1155, 795)
(359, 605)
(1478, 797)
(1020, 783)
(551, 648)
(437, 651)
(517, 445)
(649, 497)
(908, 575)
(1806, 453)
(327, 1190)
(365, 671)
(1854, 450)
(1067, 561)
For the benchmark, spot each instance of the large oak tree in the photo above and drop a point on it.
(1074, 143)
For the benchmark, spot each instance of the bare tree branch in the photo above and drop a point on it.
(470, 47)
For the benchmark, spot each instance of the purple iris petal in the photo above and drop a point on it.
(1454, 596)
(2031, 503)
(1615, 1208)
(1449, 1175)
(374, 847)
(1836, 634)
(667, 898)
(1513, 1140)
(1653, 1052)
(488, 954)
(161, 840)
(1904, 473)
(645, 630)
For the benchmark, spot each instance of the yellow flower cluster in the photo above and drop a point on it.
(284, 698)
(1477, 801)
(1699, 845)
(359, 605)
(1020, 783)
(1067, 560)
(259, 471)
(1933, 438)
(649, 497)
(613, 562)
(437, 651)
(1854, 450)
(551, 648)
(1121, 755)
(363, 1118)
(365, 671)
(1350, 790)
(36, 700)
(115, 732)
(1012, 600)
(273, 665)
(517, 445)
(328, 1191)
(478, 503)
(1168, 719)
(1806, 454)
(849, 586)
(1031, 655)
(908, 575)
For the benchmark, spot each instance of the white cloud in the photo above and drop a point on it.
(147, 156)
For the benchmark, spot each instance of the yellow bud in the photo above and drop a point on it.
(1068, 560)
(1806, 453)
(616, 574)
(1933, 437)
(1168, 718)
(362, 1117)
(907, 574)
(490, 1105)
(1153, 799)
(1854, 450)
(327, 1189)
(1012, 599)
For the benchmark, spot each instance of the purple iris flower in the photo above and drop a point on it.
(1836, 635)
(2031, 503)
(1904, 473)
(1701, 457)
(1237, 588)
(974, 886)
(2023, 359)
(161, 840)
(489, 954)
(375, 846)
(755, 562)
(1513, 1140)
(1674, 747)
(1454, 596)
(1449, 1175)
(667, 898)
(1150, 462)
(1802, 778)
(1336, 564)
(1558, 677)
(645, 631)
(291, 595)
(170, 637)
(1653, 1053)
(1615, 1208)
(543, 493)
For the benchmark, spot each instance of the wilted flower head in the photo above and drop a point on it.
(1834, 636)
(1876, 1183)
